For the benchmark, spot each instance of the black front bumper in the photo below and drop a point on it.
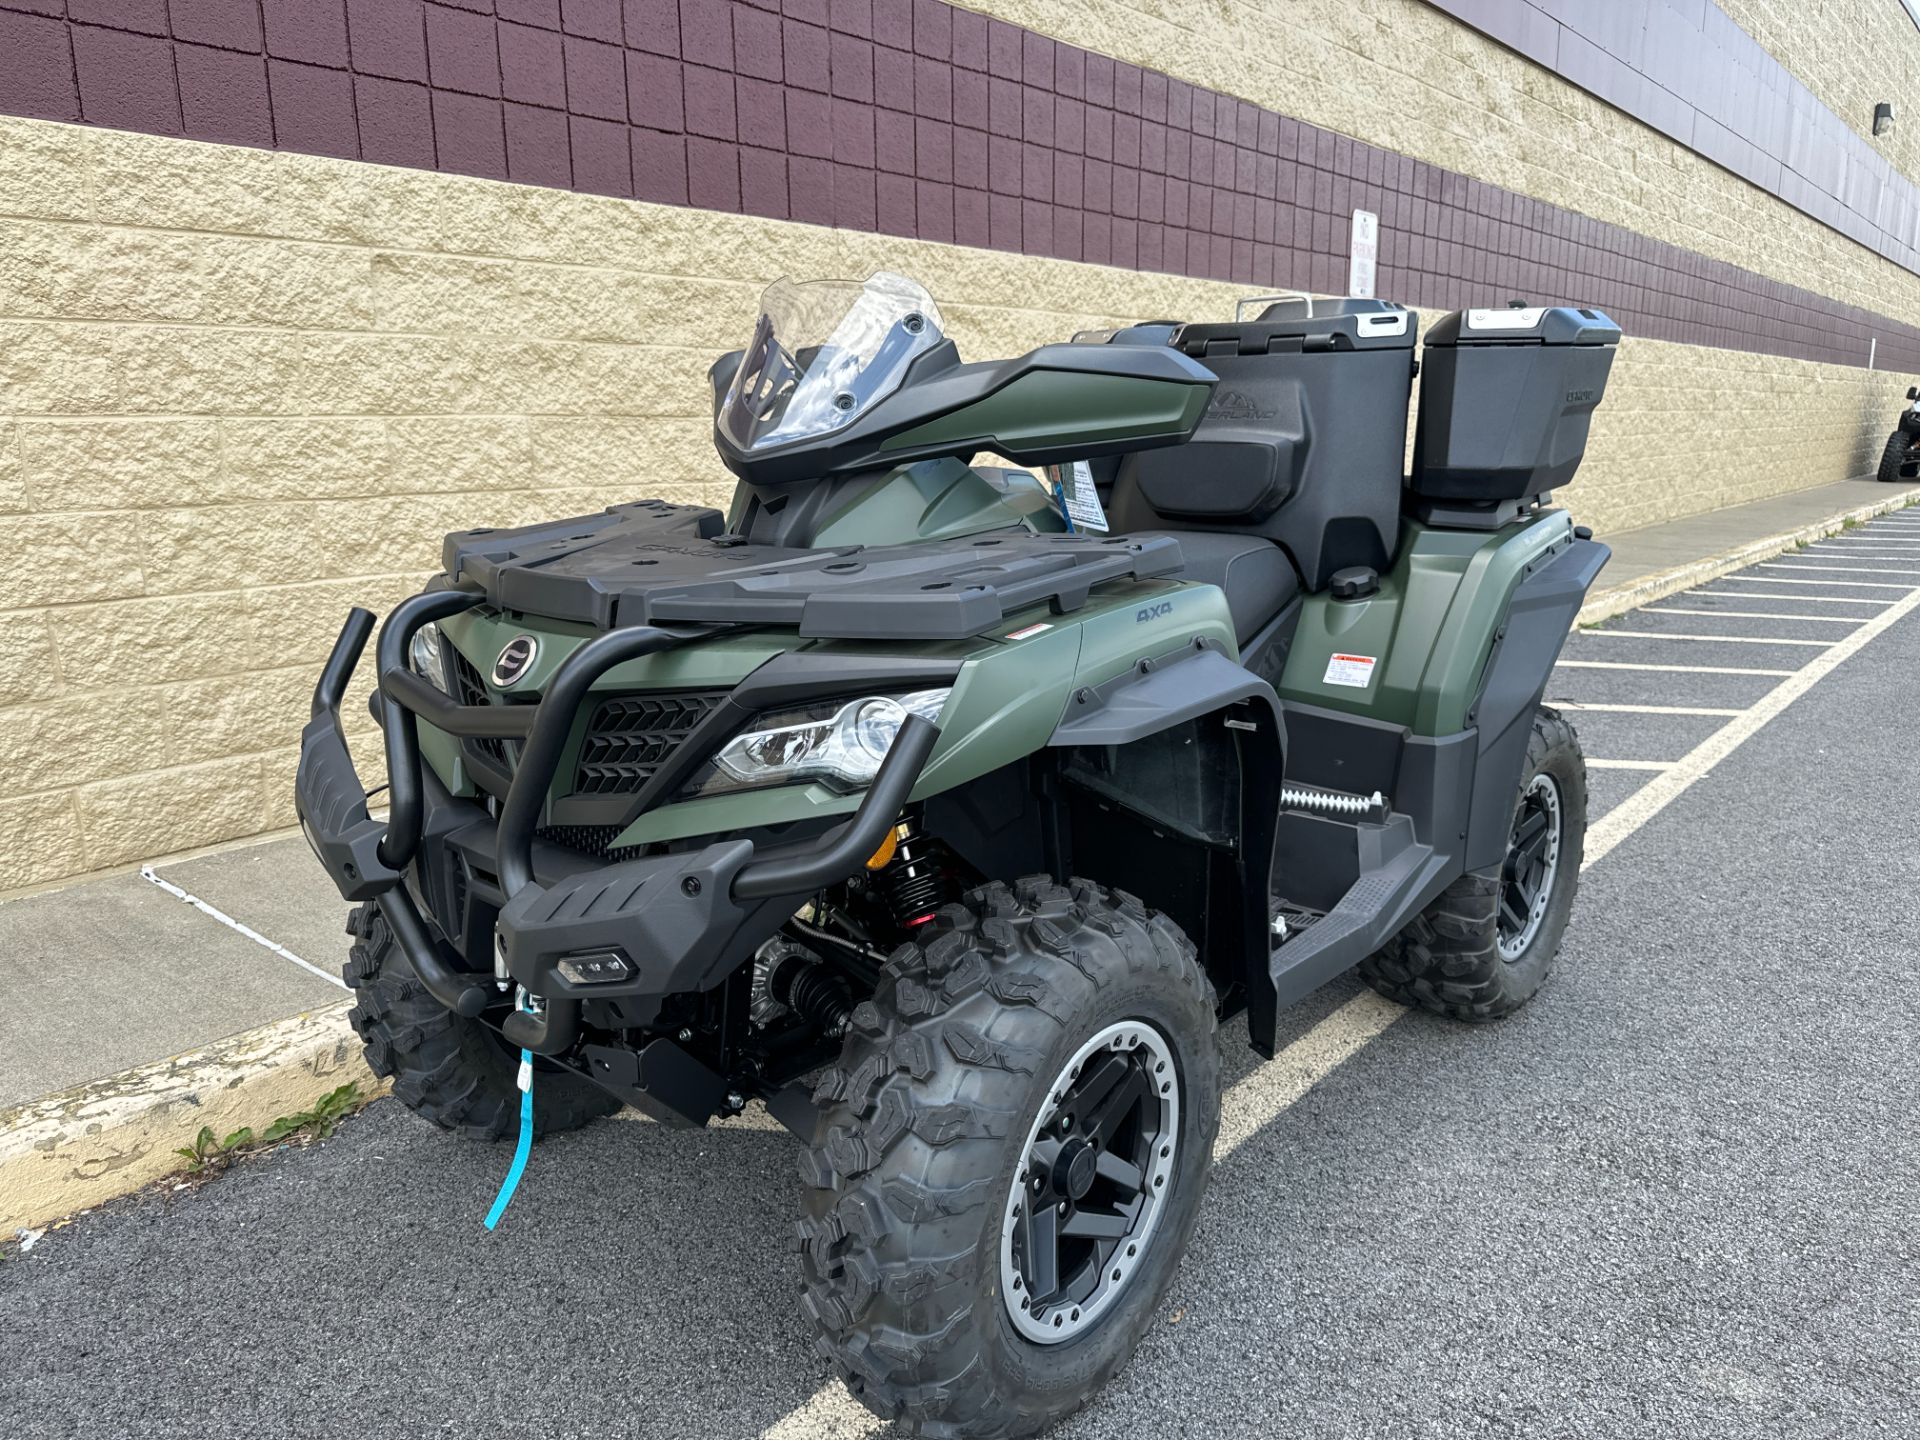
(569, 932)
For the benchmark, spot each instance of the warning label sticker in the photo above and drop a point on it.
(1354, 670)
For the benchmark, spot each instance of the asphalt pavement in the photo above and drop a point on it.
(1672, 1197)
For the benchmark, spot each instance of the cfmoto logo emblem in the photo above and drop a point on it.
(516, 658)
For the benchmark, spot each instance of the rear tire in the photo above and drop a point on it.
(1900, 455)
(912, 1242)
(1463, 959)
(456, 1071)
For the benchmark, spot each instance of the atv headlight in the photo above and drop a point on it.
(841, 743)
(429, 660)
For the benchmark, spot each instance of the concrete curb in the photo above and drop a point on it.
(66, 1152)
(1606, 604)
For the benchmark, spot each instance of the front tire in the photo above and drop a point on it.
(1901, 459)
(457, 1072)
(948, 1134)
(1483, 948)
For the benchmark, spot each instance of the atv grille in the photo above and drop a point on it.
(631, 736)
(470, 689)
(594, 840)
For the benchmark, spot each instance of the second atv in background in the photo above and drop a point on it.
(1900, 460)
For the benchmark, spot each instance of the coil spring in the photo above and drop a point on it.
(916, 881)
(1329, 802)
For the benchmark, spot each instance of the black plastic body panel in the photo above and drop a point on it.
(1161, 692)
(1542, 613)
(651, 563)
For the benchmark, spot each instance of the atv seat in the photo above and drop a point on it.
(1302, 442)
(1253, 572)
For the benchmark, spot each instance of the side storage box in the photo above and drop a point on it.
(1506, 397)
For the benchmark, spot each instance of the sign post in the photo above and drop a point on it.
(1365, 256)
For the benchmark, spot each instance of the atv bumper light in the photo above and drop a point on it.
(843, 742)
(602, 967)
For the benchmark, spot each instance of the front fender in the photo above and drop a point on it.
(1159, 694)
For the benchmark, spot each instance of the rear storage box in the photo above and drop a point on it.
(1505, 400)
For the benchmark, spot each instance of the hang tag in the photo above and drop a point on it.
(1079, 497)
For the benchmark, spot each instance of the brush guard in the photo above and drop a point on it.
(667, 918)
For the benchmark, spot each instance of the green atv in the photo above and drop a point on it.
(946, 808)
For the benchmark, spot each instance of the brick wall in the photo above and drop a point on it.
(1852, 55)
(1686, 69)
(241, 391)
(246, 383)
(1405, 76)
(911, 117)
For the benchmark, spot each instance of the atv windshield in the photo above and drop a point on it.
(823, 353)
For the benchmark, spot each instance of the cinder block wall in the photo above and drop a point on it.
(242, 391)
(242, 388)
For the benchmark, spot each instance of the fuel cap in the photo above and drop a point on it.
(1356, 582)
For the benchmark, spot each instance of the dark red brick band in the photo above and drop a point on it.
(907, 117)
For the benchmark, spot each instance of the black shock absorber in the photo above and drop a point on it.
(918, 879)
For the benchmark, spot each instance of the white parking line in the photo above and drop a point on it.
(1643, 709)
(1842, 584)
(1783, 598)
(1716, 639)
(1759, 615)
(1258, 1099)
(1668, 669)
(1834, 569)
(152, 876)
(1653, 797)
(1595, 763)
(833, 1414)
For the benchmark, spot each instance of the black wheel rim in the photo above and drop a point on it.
(1093, 1179)
(1531, 866)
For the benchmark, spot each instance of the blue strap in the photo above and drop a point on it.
(522, 1149)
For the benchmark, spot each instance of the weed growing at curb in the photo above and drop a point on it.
(210, 1154)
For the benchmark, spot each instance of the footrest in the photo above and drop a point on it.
(1374, 909)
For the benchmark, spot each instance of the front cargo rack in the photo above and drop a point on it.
(652, 563)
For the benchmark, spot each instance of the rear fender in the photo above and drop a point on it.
(1525, 649)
